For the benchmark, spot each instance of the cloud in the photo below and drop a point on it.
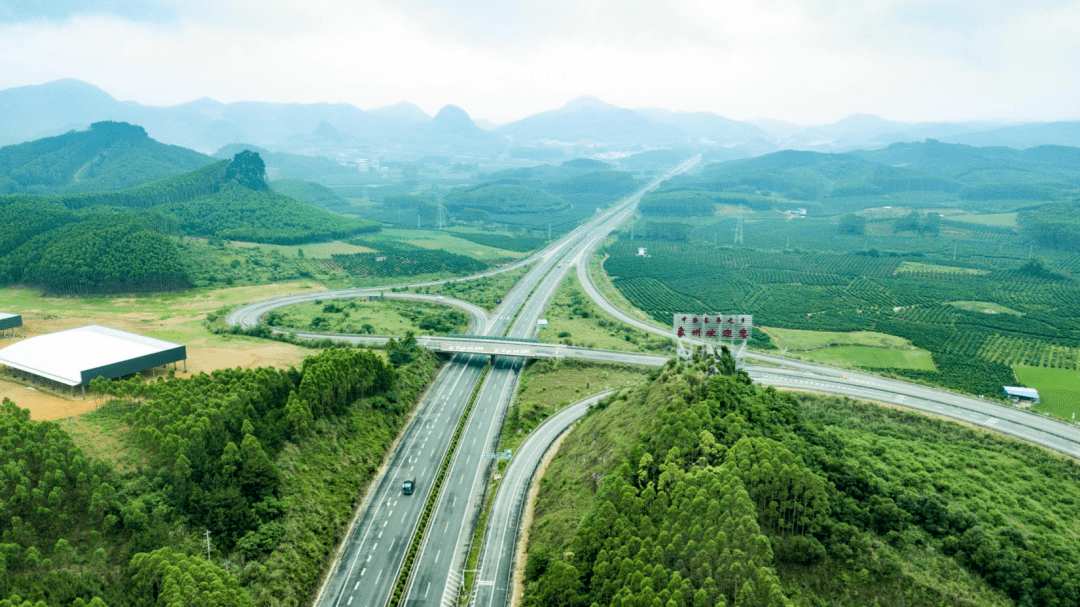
(807, 61)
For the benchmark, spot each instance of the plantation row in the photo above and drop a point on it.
(973, 350)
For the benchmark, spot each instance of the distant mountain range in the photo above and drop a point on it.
(583, 127)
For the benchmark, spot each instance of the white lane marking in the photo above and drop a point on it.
(899, 398)
(437, 554)
(391, 549)
(992, 421)
(453, 502)
(404, 515)
(384, 523)
(428, 590)
(380, 534)
(350, 601)
(446, 527)
(368, 559)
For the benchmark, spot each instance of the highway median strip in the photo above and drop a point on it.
(397, 598)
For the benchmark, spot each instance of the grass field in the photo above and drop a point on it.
(909, 267)
(878, 358)
(986, 307)
(318, 250)
(430, 239)
(1059, 389)
(796, 339)
(573, 319)
(1002, 220)
(372, 317)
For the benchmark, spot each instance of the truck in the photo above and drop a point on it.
(409, 485)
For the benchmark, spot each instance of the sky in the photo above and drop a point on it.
(802, 61)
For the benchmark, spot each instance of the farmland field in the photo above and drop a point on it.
(976, 299)
(795, 339)
(1059, 389)
(873, 358)
(445, 241)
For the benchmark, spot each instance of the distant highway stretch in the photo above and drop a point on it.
(437, 572)
(367, 569)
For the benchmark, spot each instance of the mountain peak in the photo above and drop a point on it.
(587, 102)
(452, 114)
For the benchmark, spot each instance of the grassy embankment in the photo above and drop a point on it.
(573, 319)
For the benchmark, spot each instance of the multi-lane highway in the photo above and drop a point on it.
(372, 555)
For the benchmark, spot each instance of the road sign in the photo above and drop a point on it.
(490, 455)
(506, 455)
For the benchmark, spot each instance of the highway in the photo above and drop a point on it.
(365, 574)
(497, 555)
(437, 574)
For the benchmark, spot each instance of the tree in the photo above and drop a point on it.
(248, 169)
(853, 224)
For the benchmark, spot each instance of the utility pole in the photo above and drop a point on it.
(208, 544)
(418, 221)
(738, 231)
(549, 230)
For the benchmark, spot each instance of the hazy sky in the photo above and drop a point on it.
(809, 61)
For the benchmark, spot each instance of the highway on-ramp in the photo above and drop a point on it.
(371, 557)
(497, 555)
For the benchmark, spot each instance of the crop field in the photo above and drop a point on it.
(1059, 389)
(973, 298)
(986, 307)
(317, 250)
(795, 339)
(444, 241)
(1003, 220)
(930, 269)
(872, 358)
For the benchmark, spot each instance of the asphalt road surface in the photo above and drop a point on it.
(391, 516)
(495, 569)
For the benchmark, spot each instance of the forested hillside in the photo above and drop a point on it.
(113, 242)
(926, 174)
(703, 489)
(259, 458)
(106, 157)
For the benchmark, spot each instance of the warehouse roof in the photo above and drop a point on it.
(76, 356)
(1030, 393)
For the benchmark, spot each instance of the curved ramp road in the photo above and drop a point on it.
(436, 574)
(494, 571)
(250, 315)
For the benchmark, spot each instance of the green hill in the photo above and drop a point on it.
(237, 213)
(703, 489)
(106, 157)
(121, 242)
(505, 199)
(312, 193)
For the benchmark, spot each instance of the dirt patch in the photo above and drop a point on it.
(52, 404)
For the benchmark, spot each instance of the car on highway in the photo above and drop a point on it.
(409, 485)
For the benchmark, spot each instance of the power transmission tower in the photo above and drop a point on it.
(440, 221)
(208, 544)
(738, 231)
